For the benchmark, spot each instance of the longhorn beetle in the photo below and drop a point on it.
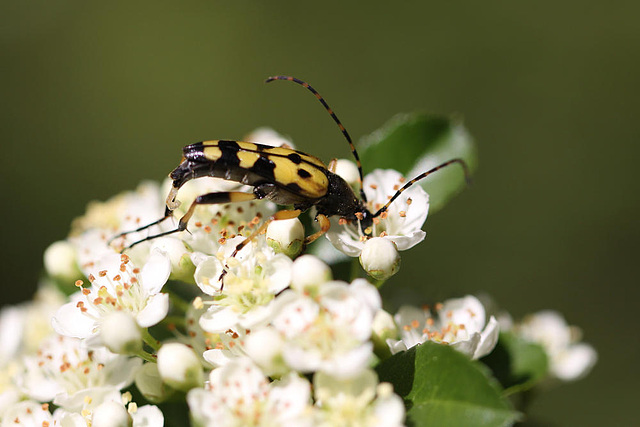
(285, 176)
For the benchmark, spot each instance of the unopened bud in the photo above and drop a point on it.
(383, 328)
(286, 236)
(182, 267)
(180, 367)
(309, 271)
(120, 333)
(268, 136)
(348, 171)
(60, 261)
(110, 414)
(380, 258)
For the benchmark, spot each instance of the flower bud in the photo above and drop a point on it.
(110, 414)
(348, 171)
(149, 383)
(380, 258)
(120, 333)
(383, 328)
(268, 136)
(60, 261)
(309, 271)
(179, 366)
(182, 268)
(286, 236)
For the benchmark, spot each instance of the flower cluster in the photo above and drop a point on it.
(259, 337)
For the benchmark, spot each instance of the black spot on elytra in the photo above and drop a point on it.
(294, 187)
(303, 173)
(264, 167)
(229, 150)
(295, 158)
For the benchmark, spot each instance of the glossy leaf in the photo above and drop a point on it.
(443, 387)
(516, 363)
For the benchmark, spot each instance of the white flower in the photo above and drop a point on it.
(569, 359)
(380, 258)
(179, 366)
(359, 401)
(211, 225)
(253, 279)
(238, 394)
(401, 223)
(68, 373)
(116, 285)
(328, 332)
(459, 323)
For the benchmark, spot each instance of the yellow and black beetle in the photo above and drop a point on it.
(282, 175)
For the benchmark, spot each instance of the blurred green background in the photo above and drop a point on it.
(97, 96)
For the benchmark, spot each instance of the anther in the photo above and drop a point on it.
(79, 283)
(402, 214)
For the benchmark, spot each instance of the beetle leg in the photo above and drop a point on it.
(325, 224)
(286, 214)
(204, 199)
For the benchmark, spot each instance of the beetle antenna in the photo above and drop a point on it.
(461, 162)
(335, 119)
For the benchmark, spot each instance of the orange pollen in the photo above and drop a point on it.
(79, 283)
(406, 327)
(219, 346)
(214, 221)
(449, 314)
(192, 334)
(359, 215)
(117, 278)
(384, 215)
(98, 301)
(376, 221)
(409, 201)
(136, 270)
(402, 179)
(86, 371)
(342, 221)
(207, 229)
(134, 280)
(45, 406)
(402, 214)
(415, 324)
(363, 238)
(430, 322)
(102, 273)
(91, 278)
(124, 258)
(222, 240)
(86, 291)
(240, 228)
(368, 230)
(373, 186)
(396, 187)
(198, 224)
(123, 267)
(438, 306)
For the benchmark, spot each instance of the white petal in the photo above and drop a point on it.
(408, 241)
(71, 322)
(218, 319)
(344, 243)
(575, 362)
(349, 364)
(488, 339)
(156, 309)
(148, 416)
(207, 275)
(155, 272)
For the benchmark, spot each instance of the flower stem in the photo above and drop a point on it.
(150, 340)
(146, 356)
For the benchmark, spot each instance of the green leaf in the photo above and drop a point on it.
(442, 387)
(414, 143)
(516, 363)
